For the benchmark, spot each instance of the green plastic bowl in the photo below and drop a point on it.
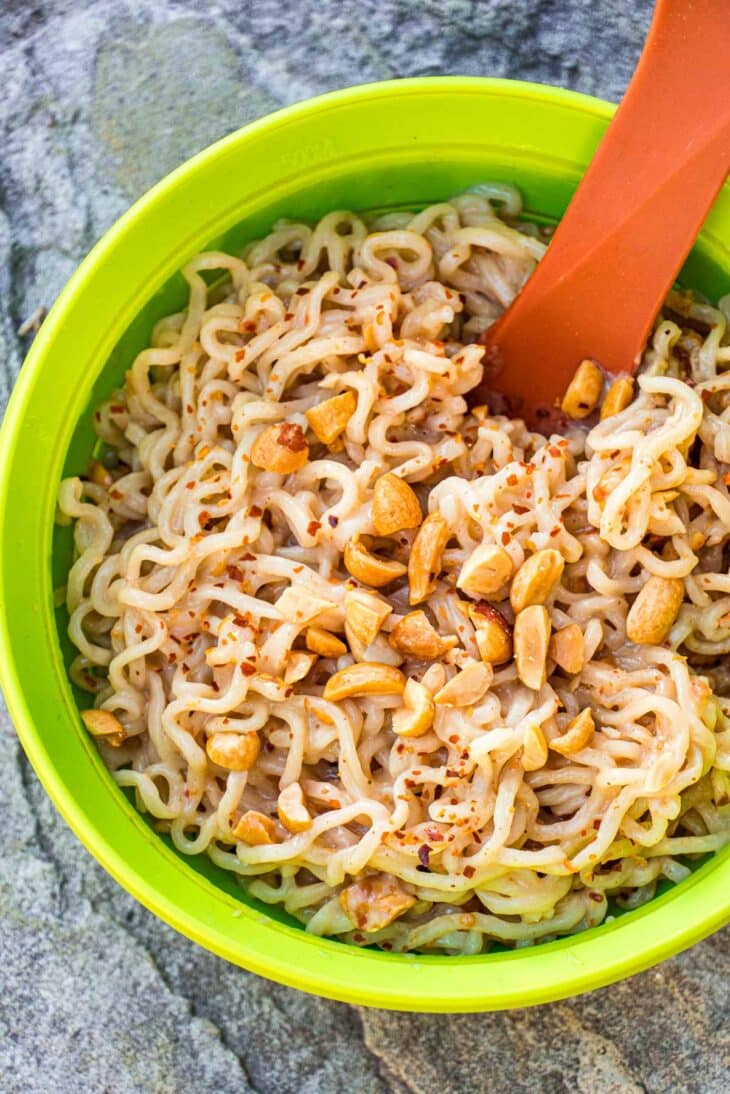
(396, 144)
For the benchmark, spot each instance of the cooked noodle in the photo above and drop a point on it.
(198, 576)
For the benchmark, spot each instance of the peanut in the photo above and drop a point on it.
(395, 505)
(255, 829)
(534, 749)
(654, 611)
(281, 448)
(467, 687)
(584, 390)
(567, 648)
(424, 563)
(236, 751)
(416, 715)
(576, 735)
(485, 571)
(365, 614)
(298, 665)
(618, 397)
(102, 723)
(493, 633)
(535, 579)
(99, 474)
(368, 568)
(292, 811)
(415, 636)
(329, 418)
(366, 678)
(373, 902)
(322, 642)
(531, 638)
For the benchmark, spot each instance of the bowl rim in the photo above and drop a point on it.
(669, 923)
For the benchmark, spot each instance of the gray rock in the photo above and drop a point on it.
(101, 99)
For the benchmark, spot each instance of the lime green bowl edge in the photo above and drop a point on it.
(380, 144)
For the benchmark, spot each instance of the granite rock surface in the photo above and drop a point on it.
(100, 99)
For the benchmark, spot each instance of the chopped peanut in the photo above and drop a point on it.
(618, 397)
(416, 715)
(281, 448)
(292, 811)
(534, 749)
(576, 735)
(467, 687)
(395, 505)
(328, 419)
(654, 611)
(297, 604)
(486, 570)
(424, 563)
(368, 568)
(493, 633)
(236, 751)
(531, 639)
(322, 642)
(415, 636)
(584, 390)
(102, 723)
(567, 648)
(366, 678)
(99, 474)
(434, 677)
(298, 665)
(535, 579)
(365, 614)
(255, 829)
(373, 902)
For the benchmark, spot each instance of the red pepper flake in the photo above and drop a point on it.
(555, 531)
(238, 355)
(234, 573)
(469, 871)
(248, 670)
(255, 511)
(424, 852)
(215, 687)
(512, 480)
(247, 556)
(520, 509)
(313, 527)
(506, 537)
(240, 621)
(116, 494)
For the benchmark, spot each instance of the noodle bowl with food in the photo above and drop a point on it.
(425, 678)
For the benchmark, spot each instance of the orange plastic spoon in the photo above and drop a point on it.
(632, 220)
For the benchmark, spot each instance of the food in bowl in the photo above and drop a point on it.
(425, 678)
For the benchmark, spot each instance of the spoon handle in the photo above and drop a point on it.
(633, 218)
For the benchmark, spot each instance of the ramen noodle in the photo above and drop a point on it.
(423, 677)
